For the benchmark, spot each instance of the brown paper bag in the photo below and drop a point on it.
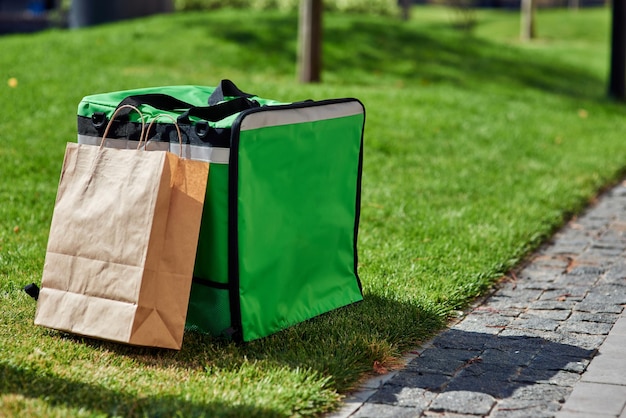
(122, 245)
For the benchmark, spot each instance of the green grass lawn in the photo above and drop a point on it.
(477, 147)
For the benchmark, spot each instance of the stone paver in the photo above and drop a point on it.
(596, 398)
(549, 343)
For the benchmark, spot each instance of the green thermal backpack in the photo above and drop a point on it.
(278, 239)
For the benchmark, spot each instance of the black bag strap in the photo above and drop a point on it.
(165, 102)
(219, 111)
(156, 100)
(226, 88)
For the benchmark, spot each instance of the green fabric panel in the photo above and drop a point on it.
(212, 252)
(195, 95)
(297, 203)
(209, 310)
(102, 102)
(209, 307)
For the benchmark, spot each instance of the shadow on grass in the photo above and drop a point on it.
(445, 55)
(359, 48)
(341, 345)
(58, 391)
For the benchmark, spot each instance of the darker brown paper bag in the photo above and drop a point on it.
(122, 245)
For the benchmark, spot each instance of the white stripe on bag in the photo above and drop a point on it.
(291, 116)
(213, 155)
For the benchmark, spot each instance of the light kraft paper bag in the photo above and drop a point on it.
(122, 245)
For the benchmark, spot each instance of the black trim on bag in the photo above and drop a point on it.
(357, 212)
(233, 230)
(200, 134)
(210, 283)
(233, 209)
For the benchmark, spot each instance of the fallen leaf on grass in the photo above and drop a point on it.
(379, 368)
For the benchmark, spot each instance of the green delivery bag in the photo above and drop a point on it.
(278, 239)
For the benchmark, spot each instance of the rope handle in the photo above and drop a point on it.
(145, 138)
(143, 123)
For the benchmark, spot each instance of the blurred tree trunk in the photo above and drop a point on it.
(573, 4)
(617, 76)
(310, 41)
(527, 20)
(406, 9)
